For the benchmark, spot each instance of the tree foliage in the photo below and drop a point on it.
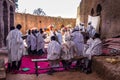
(16, 4)
(39, 11)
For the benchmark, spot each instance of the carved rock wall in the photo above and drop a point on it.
(7, 9)
(110, 15)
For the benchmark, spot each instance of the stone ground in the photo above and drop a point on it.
(68, 75)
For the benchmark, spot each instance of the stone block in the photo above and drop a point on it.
(2, 70)
(2, 74)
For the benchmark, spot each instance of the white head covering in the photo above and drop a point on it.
(76, 28)
(68, 38)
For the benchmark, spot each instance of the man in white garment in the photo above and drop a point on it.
(33, 42)
(78, 39)
(79, 42)
(16, 47)
(68, 52)
(53, 50)
(59, 36)
(28, 41)
(82, 27)
(51, 32)
(8, 40)
(94, 49)
(91, 30)
(40, 44)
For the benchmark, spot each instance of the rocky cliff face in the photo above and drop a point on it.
(110, 15)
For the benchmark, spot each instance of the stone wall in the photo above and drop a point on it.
(7, 9)
(110, 15)
(29, 21)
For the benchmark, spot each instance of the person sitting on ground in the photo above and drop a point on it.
(69, 51)
(53, 50)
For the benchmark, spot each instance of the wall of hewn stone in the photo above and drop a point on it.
(110, 15)
(29, 21)
(7, 9)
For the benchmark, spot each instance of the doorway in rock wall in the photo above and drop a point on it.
(5, 20)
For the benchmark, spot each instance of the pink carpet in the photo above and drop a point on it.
(27, 63)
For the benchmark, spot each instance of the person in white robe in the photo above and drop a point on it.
(78, 39)
(16, 47)
(94, 49)
(82, 27)
(69, 51)
(53, 53)
(40, 44)
(91, 30)
(33, 42)
(8, 41)
(51, 32)
(87, 43)
(59, 36)
(66, 33)
(28, 41)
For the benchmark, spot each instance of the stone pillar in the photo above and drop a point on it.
(1, 23)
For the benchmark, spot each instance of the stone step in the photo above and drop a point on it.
(106, 70)
(2, 74)
(3, 51)
(2, 70)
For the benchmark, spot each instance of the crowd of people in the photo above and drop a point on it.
(64, 44)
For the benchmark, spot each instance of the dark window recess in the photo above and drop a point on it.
(92, 12)
(98, 9)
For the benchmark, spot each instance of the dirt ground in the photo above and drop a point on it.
(56, 76)
(68, 75)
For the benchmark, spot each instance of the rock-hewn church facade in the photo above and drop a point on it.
(7, 10)
(109, 11)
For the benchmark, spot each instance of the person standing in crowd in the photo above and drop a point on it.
(78, 39)
(28, 41)
(69, 51)
(51, 31)
(66, 33)
(94, 49)
(58, 36)
(33, 42)
(42, 32)
(16, 47)
(8, 40)
(40, 43)
(54, 50)
(91, 30)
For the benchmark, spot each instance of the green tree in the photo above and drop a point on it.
(16, 4)
(39, 11)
